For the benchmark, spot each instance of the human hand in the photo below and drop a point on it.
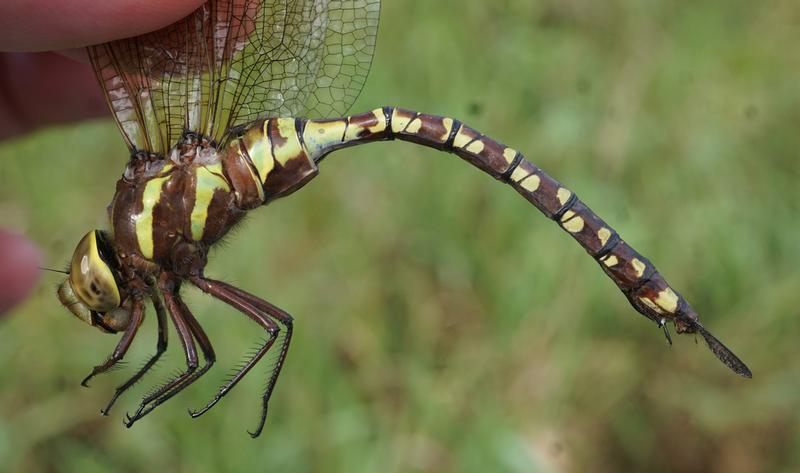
(43, 88)
(46, 88)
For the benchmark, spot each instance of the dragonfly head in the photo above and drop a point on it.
(91, 291)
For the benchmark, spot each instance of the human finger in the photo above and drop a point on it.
(64, 24)
(38, 89)
(19, 269)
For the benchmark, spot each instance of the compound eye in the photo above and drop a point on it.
(91, 277)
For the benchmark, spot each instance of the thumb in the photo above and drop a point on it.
(19, 262)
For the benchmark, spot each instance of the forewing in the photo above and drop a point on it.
(156, 84)
(303, 57)
(232, 62)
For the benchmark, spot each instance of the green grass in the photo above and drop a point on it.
(442, 324)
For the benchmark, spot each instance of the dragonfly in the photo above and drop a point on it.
(211, 110)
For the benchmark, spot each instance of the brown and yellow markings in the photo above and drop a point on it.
(286, 144)
(401, 119)
(519, 174)
(667, 300)
(361, 126)
(209, 179)
(465, 137)
(447, 123)
(413, 126)
(240, 169)
(652, 305)
(638, 267)
(529, 180)
(429, 130)
(572, 222)
(603, 235)
(475, 147)
(563, 195)
(509, 154)
(609, 260)
(143, 221)
(259, 149)
(318, 135)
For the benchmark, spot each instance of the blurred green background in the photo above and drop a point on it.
(443, 324)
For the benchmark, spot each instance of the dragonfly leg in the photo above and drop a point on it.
(284, 319)
(161, 346)
(187, 341)
(261, 312)
(205, 345)
(124, 343)
(663, 324)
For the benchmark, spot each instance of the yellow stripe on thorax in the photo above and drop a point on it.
(291, 148)
(259, 149)
(144, 219)
(209, 179)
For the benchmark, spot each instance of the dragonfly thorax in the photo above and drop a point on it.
(191, 146)
(167, 212)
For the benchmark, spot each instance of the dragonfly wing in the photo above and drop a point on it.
(304, 57)
(236, 61)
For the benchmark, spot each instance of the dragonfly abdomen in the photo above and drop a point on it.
(268, 160)
(282, 155)
(644, 287)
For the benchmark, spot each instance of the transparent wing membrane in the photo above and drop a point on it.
(232, 62)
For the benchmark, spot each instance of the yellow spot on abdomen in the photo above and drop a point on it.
(610, 260)
(573, 225)
(318, 136)
(399, 122)
(638, 267)
(448, 127)
(144, 219)
(509, 154)
(531, 183)
(667, 300)
(475, 147)
(651, 305)
(563, 195)
(603, 235)
(381, 125)
(414, 126)
(519, 174)
(461, 139)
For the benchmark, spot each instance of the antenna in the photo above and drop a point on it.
(53, 270)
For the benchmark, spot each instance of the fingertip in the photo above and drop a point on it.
(63, 24)
(19, 269)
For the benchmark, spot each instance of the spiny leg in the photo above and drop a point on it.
(199, 335)
(137, 315)
(161, 346)
(205, 345)
(185, 334)
(286, 320)
(235, 299)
